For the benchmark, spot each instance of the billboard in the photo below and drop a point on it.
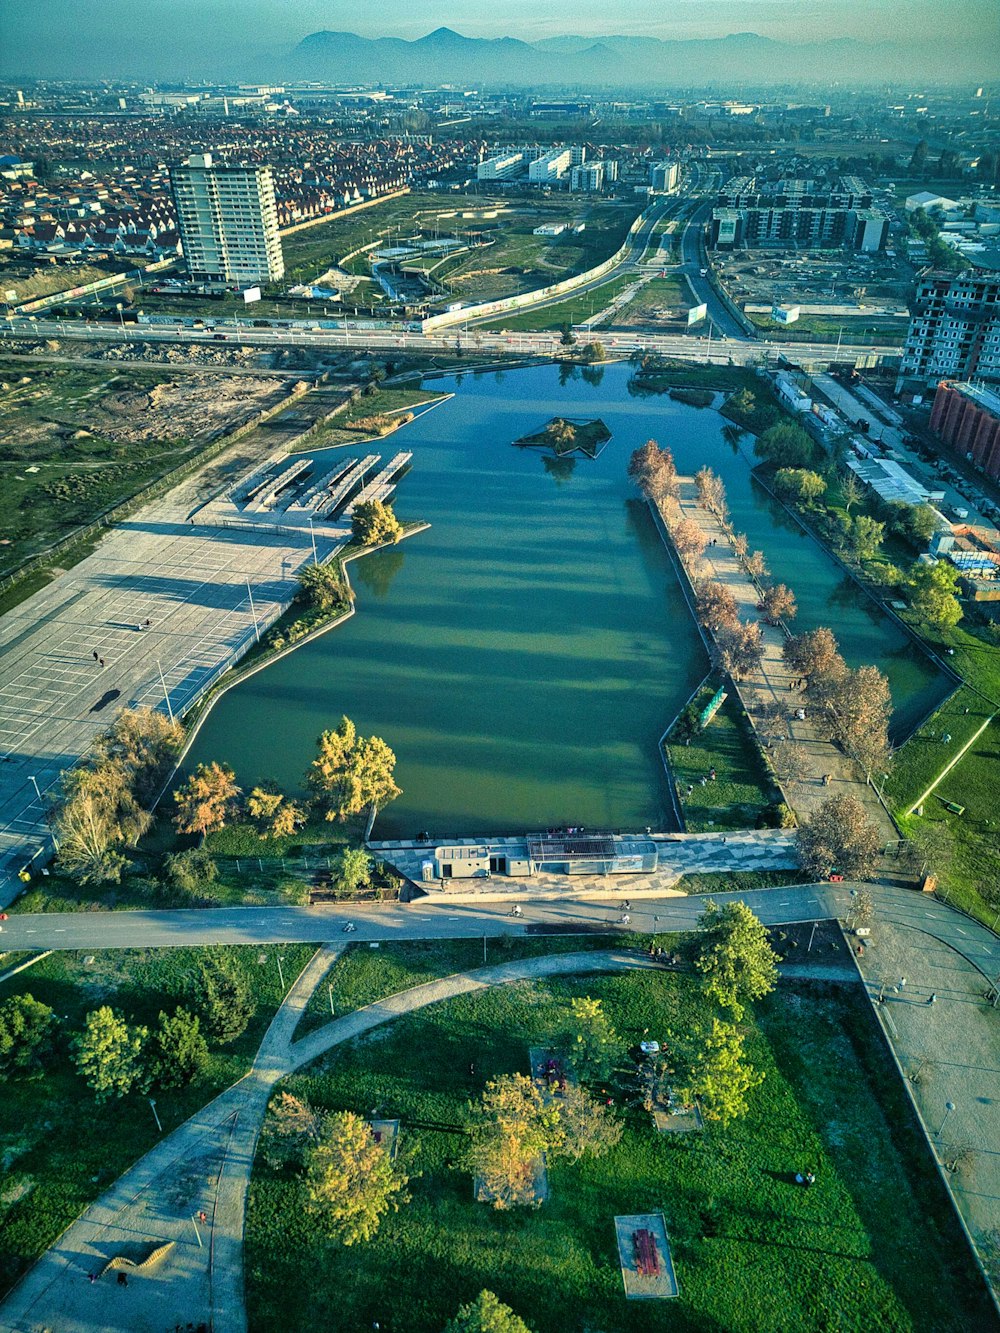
(251, 294)
(697, 313)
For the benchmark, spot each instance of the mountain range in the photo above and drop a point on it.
(445, 56)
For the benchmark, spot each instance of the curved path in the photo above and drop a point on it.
(201, 1280)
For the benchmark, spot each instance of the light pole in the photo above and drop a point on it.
(34, 782)
(253, 612)
(281, 974)
(948, 1108)
(166, 696)
(330, 989)
(312, 534)
(152, 1107)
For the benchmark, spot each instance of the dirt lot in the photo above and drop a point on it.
(76, 439)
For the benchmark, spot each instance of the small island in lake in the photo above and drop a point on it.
(569, 435)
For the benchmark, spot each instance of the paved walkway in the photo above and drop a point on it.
(948, 1049)
(206, 1164)
(817, 754)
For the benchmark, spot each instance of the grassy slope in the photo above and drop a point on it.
(872, 1245)
(574, 310)
(51, 1136)
(742, 788)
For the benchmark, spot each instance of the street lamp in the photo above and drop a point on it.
(948, 1108)
(34, 782)
(152, 1107)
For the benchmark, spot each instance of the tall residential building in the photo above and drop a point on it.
(550, 166)
(955, 329)
(228, 221)
(501, 168)
(966, 417)
(588, 177)
(664, 177)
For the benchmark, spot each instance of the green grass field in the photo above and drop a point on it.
(59, 1150)
(828, 328)
(654, 297)
(574, 310)
(872, 1245)
(742, 789)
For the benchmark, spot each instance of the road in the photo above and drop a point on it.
(736, 350)
(93, 931)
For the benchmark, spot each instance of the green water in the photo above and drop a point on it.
(523, 656)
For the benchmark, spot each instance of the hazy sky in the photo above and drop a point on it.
(102, 38)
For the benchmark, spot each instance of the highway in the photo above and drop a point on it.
(724, 351)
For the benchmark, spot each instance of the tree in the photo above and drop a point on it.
(916, 524)
(839, 836)
(918, 159)
(711, 492)
(486, 1314)
(688, 538)
(191, 869)
(860, 708)
(290, 1128)
(220, 995)
(87, 833)
(863, 537)
(512, 1125)
(352, 772)
(739, 649)
(716, 604)
(178, 1051)
(813, 653)
(932, 594)
(207, 800)
(351, 1182)
(743, 403)
(352, 869)
(756, 565)
(594, 352)
(567, 337)
(734, 956)
(779, 603)
(145, 744)
(721, 1076)
(786, 446)
(108, 1054)
(654, 471)
(588, 1040)
(374, 524)
(561, 433)
(795, 483)
(788, 760)
(850, 489)
(325, 587)
(585, 1127)
(26, 1030)
(275, 814)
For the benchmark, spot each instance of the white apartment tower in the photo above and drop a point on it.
(228, 221)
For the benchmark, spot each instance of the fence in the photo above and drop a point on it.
(99, 285)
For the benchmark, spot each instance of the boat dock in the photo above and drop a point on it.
(382, 484)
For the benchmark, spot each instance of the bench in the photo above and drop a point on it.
(647, 1260)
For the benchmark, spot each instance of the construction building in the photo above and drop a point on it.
(228, 222)
(954, 332)
(798, 214)
(966, 418)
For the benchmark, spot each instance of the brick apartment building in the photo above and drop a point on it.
(966, 417)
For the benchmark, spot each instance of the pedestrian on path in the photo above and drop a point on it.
(101, 661)
(97, 656)
(902, 984)
(932, 998)
(122, 1279)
